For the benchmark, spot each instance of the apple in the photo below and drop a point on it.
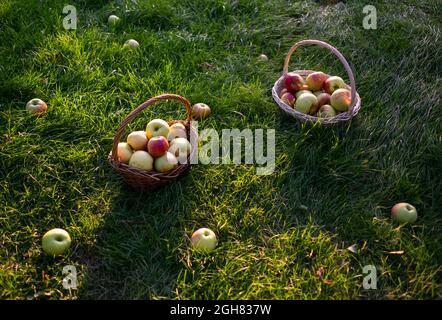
(301, 92)
(141, 160)
(157, 146)
(157, 127)
(124, 152)
(341, 99)
(56, 241)
(306, 102)
(284, 90)
(204, 239)
(180, 148)
(177, 130)
(131, 43)
(293, 82)
(166, 162)
(323, 99)
(326, 111)
(36, 106)
(317, 93)
(404, 213)
(333, 83)
(315, 80)
(263, 57)
(304, 87)
(113, 20)
(200, 111)
(137, 140)
(288, 98)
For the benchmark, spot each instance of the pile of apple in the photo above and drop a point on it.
(159, 148)
(319, 95)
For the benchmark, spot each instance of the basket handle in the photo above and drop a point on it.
(141, 107)
(336, 53)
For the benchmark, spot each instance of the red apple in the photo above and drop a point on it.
(323, 98)
(288, 99)
(333, 83)
(316, 80)
(284, 90)
(293, 82)
(157, 146)
(36, 106)
(341, 99)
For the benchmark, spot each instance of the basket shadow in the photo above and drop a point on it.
(130, 258)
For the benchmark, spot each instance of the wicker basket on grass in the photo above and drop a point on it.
(143, 180)
(279, 85)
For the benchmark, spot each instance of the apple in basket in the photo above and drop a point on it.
(177, 130)
(326, 111)
(157, 127)
(306, 102)
(284, 90)
(166, 162)
(157, 146)
(333, 83)
(288, 98)
(137, 140)
(323, 99)
(124, 152)
(301, 92)
(315, 80)
(180, 148)
(341, 99)
(293, 82)
(141, 160)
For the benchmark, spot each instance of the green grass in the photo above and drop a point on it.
(332, 187)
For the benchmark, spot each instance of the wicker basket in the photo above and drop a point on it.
(142, 180)
(279, 85)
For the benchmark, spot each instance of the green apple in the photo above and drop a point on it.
(36, 106)
(306, 102)
(56, 241)
(341, 99)
(326, 111)
(204, 239)
(131, 43)
(301, 92)
(141, 160)
(404, 213)
(166, 162)
(124, 152)
(113, 20)
(333, 83)
(157, 127)
(137, 140)
(263, 57)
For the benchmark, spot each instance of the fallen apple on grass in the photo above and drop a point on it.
(200, 111)
(113, 20)
(204, 239)
(157, 146)
(333, 83)
(263, 57)
(306, 102)
(166, 162)
(293, 82)
(137, 140)
(341, 99)
(315, 80)
(124, 152)
(36, 106)
(56, 242)
(288, 98)
(131, 43)
(141, 160)
(404, 213)
(157, 127)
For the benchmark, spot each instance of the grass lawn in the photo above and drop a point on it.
(281, 236)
